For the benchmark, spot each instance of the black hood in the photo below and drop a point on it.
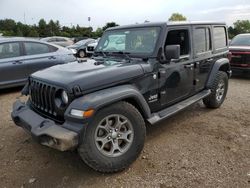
(89, 75)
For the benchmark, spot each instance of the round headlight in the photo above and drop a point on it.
(65, 98)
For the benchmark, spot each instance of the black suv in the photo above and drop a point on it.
(139, 74)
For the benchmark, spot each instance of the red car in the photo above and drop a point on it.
(240, 50)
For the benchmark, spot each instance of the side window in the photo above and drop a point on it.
(179, 37)
(52, 48)
(33, 48)
(202, 40)
(8, 50)
(220, 39)
(52, 40)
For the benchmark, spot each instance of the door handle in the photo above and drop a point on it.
(17, 62)
(189, 66)
(211, 59)
(52, 57)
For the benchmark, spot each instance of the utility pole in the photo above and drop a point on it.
(89, 19)
(24, 19)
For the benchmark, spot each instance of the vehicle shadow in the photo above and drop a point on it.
(11, 90)
(241, 77)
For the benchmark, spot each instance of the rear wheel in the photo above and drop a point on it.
(114, 139)
(219, 91)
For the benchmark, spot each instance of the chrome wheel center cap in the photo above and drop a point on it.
(114, 134)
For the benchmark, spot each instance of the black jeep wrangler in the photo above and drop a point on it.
(139, 74)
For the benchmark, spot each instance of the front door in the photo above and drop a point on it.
(177, 76)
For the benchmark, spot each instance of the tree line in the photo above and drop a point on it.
(9, 27)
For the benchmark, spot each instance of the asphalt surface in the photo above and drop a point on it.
(198, 147)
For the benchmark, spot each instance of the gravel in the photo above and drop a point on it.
(198, 147)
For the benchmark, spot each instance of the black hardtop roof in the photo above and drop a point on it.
(162, 24)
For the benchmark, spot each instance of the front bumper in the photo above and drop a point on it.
(46, 131)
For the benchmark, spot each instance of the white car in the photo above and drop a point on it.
(91, 47)
(61, 41)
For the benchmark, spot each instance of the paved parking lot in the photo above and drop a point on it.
(198, 147)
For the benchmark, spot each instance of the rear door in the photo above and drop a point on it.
(39, 56)
(12, 66)
(203, 58)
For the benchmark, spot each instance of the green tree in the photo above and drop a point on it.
(42, 28)
(33, 33)
(177, 17)
(98, 32)
(109, 24)
(240, 26)
(9, 27)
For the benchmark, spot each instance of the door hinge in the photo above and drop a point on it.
(196, 81)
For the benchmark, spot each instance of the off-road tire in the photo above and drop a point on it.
(211, 101)
(97, 160)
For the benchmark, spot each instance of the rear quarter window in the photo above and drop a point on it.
(33, 48)
(220, 37)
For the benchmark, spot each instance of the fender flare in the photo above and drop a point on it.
(220, 65)
(99, 99)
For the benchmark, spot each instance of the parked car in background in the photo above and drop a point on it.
(77, 39)
(81, 46)
(91, 47)
(61, 41)
(240, 50)
(20, 57)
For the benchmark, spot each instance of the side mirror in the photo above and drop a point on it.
(172, 52)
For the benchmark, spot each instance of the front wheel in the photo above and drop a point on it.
(218, 91)
(81, 53)
(114, 139)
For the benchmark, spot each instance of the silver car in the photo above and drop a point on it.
(21, 57)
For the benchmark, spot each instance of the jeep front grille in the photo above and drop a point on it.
(42, 96)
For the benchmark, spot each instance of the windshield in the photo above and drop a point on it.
(241, 40)
(134, 40)
(81, 42)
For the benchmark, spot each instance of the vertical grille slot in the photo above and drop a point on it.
(42, 97)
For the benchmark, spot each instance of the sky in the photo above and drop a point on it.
(72, 12)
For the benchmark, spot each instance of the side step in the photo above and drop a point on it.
(167, 112)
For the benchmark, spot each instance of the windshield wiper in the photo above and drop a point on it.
(125, 54)
(100, 52)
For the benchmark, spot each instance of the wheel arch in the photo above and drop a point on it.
(220, 65)
(106, 97)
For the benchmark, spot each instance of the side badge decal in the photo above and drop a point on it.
(153, 98)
